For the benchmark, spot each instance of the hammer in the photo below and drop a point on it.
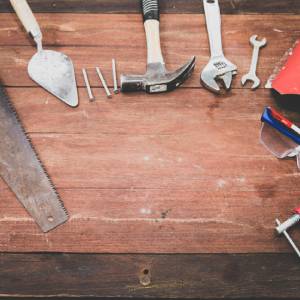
(157, 79)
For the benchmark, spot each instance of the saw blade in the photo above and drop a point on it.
(22, 170)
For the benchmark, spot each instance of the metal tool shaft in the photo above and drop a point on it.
(289, 239)
(251, 75)
(87, 84)
(219, 69)
(101, 77)
(115, 79)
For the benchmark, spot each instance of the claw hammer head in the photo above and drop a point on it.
(157, 79)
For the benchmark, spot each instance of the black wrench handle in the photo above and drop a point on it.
(150, 9)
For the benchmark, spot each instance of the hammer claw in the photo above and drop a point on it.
(157, 79)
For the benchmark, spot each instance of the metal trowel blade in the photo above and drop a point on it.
(54, 71)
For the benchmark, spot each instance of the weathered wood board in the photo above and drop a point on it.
(206, 276)
(180, 173)
(167, 6)
(177, 173)
(202, 185)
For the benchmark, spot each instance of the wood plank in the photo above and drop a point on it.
(167, 6)
(190, 148)
(97, 41)
(260, 276)
(186, 176)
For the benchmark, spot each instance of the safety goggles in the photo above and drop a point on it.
(279, 135)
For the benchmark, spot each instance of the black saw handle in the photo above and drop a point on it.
(150, 10)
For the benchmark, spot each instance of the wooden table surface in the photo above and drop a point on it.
(169, 195)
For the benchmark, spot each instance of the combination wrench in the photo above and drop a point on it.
(251, 76)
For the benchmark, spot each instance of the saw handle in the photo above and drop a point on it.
(26, 17)
(150, 10)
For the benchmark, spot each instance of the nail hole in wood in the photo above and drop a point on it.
(145, 277)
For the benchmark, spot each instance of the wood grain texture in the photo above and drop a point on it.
(197, 186)
(179, 172)
(259, 276)
(101, 38)
(167, 6)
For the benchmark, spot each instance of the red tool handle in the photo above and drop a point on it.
(285, 121)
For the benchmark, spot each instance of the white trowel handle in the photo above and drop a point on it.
(151, 22)
(27, 18)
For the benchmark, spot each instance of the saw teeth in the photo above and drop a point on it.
(20, 124)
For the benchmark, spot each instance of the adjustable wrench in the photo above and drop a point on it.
(218, 69)
(251, 76)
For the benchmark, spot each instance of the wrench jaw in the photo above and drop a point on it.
(210, 83)
(227, 80)
(215, 84)
(254, 79)
(213, 78)
(255, 42)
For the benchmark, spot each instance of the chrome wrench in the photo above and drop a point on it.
(218, 68)
(251, 76)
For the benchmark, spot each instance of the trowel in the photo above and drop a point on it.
(52, 70)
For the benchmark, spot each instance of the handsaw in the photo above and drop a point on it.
(23, 172)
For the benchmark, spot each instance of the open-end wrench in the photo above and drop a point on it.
(251, 76)
(218, 69)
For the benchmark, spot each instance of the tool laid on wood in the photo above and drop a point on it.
(114, 74)
(251, 76)
(285, 78)
(219, 69)
(102, 79)
(157, 79)
(87, 84)
(52, 70)
(279, 135)
(22, 170)
(283, 227)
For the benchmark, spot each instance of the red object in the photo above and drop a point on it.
(288, 79)
(281, 118)
(297, 210)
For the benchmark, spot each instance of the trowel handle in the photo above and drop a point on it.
(26, 16)
(150, 10)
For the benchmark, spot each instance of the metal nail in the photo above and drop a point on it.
(87, 84)
(114, 72)
(107, 91)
